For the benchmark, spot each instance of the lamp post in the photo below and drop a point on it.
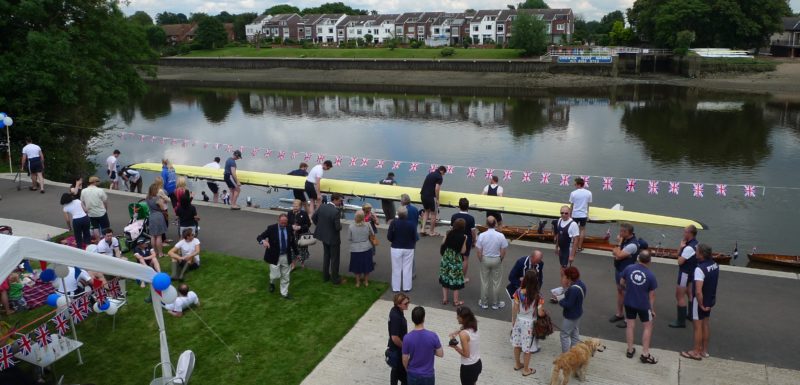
(7, 122)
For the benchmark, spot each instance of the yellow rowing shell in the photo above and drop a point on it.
(446, 198)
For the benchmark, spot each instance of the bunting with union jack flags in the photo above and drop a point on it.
(6, 357)
(61, 322)
(25, 344)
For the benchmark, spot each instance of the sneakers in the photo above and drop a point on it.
(483, 305)
(616, 318)
(499, 305)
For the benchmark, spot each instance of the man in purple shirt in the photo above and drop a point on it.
(640, 298)
(419, 348)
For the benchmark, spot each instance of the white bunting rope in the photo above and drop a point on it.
(651, 186)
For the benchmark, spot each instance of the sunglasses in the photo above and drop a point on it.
(564, 212)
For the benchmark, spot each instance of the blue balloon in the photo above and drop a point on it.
(52, 299)
(48, 275)
(161, 281)
(105, 305)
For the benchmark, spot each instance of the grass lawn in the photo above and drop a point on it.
(280, 341)
(367, 53)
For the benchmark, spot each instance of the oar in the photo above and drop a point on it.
(521, 236)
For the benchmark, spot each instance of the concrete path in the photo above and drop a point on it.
(361, 353)
(754, 320)
(31, 229)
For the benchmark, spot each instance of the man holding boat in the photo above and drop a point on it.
(429, 195)
(687, 261)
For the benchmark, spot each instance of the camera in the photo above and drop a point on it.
(453, 342)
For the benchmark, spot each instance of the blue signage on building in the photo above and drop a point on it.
(585, 59)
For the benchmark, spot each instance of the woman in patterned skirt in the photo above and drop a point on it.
(451, 271)
(528, 305)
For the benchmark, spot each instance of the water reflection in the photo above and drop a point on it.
(157, 104)
(216, 105)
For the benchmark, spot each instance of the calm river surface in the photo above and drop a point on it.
(648, 132)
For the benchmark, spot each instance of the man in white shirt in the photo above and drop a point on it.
(96, 202)
(491, 248)
(494, 189)
(73, 285)
(312, 186)
(579, 206)
(213, 186)
(185, 300)
(109, 245)
(33, 158)
(185, 254)
(112, 165)
(566, 235)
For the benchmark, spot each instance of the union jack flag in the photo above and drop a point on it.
(42, 335)
(268, 153)
(84, 306)
(380, 163)
(25, 344)
(75, 311)
(450, 168)
(163, 140)
(307, 157)
(631, 187)
(228, 148)
(152, 139)
(545, 178)
(141, 138)
(281, 155)
(433, 167)
(241, 148)
(608, 183)
(526, 176)
(413, 167)
(174, 141)
(471, 172)
(652, 187)
(564, 180)
(353, 160)
(115, 288)
(697, 190)
(6, 358)
(722, 190)
(396, 165)
(489, 173)
(586, 180)
(101, 295)
(749, 191)
(674, 187)
(62, 325)
(320, 158)
(294, 154)
(364, 162)
(507, 174)
(338, 161)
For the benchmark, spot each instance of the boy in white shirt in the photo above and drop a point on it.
(185, 300)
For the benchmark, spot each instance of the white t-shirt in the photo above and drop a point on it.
(315, 173)
(93, 198)
(213, 165)
(499, 189)
(187, 248)
(31, 150)
(572, 229)
(490, 242)
(133, 175)
(111, 161)
(75, 209)
(688, 253)
(70, 281)
(699, 275)
(580, 199)
(183, 303)
(105, 248)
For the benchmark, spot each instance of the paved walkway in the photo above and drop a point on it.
(361, 352)
(755, 317)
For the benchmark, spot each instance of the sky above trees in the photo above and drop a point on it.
(589, 9)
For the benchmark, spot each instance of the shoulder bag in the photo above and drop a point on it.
(373, 239)
(543, 326)
(306, 240)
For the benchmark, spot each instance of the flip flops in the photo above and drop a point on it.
(691, 356)
(533, 371)
(649, 359)
(630, 354)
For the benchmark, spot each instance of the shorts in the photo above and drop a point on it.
(698, 313)
(229, 181)
(563, 257)
(684, 280)
(311, 191)
(469, 373)
(213, 186)
(299, 195)
(35, 165)
(429, 203)
(643, 314)
(100, 223)
(112, 175)
(496, 214)
(580, 221)
(617, 277)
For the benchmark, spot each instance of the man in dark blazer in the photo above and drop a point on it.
(327, 219)
(281, 249)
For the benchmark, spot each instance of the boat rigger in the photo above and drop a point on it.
(519, 206)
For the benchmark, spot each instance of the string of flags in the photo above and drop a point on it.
(526, 176)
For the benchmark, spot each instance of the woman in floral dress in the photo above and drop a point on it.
(451, 270)
(528, 305)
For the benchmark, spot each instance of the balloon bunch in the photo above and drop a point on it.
(59, 301)
(5, 120)
(162, 284)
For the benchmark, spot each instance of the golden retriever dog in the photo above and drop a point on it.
(575, 361)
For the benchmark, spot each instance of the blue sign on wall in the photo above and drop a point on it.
(585, 59)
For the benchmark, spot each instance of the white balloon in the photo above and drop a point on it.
(169, 295)
(62, 302)
(2, 115)
(112, 309)
(8, 121)
(61, 270)
(96, 307)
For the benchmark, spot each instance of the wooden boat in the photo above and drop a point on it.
(531, 234)
(776, 259)
(659, 252)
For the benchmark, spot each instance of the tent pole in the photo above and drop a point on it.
(166, 364)
(71, 323)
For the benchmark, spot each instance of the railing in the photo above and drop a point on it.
(787, 43)
(610, 51)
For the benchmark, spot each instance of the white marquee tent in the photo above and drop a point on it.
(14, 249)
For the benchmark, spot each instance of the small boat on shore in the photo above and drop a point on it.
(775, 259)
(533, 234)
(659, 252)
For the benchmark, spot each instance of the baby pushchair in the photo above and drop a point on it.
(139, 226)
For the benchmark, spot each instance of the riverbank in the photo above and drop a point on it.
(783, 83)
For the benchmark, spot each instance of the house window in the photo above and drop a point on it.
(319, 30)
(341, 32)
(488, 27)
(447, 30)
(436, 31)
(475, 28)
(398, 30)
(330, 30)
(500, 28)
(387, 30)
(559, 27)
(300, 31)
(359, 31)
(475, 38)
(421, 29)
(369, 31)
(410, 28)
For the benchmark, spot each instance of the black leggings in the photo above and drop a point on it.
(470, 373)
(398, 376)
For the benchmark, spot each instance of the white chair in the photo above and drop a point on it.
(183, 371)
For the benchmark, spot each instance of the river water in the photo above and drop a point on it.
(646, 131)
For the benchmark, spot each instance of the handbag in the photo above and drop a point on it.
(374, 240)
(393, 358)
(306, 240)
(543, 326)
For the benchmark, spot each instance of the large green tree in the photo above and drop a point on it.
(239, 22)
(533, 4)
(142, 18)
(281, 8)
(715, 23)
(211, 33)
(337, 7)
(528, 34)
(171, 18)
(64, 65)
